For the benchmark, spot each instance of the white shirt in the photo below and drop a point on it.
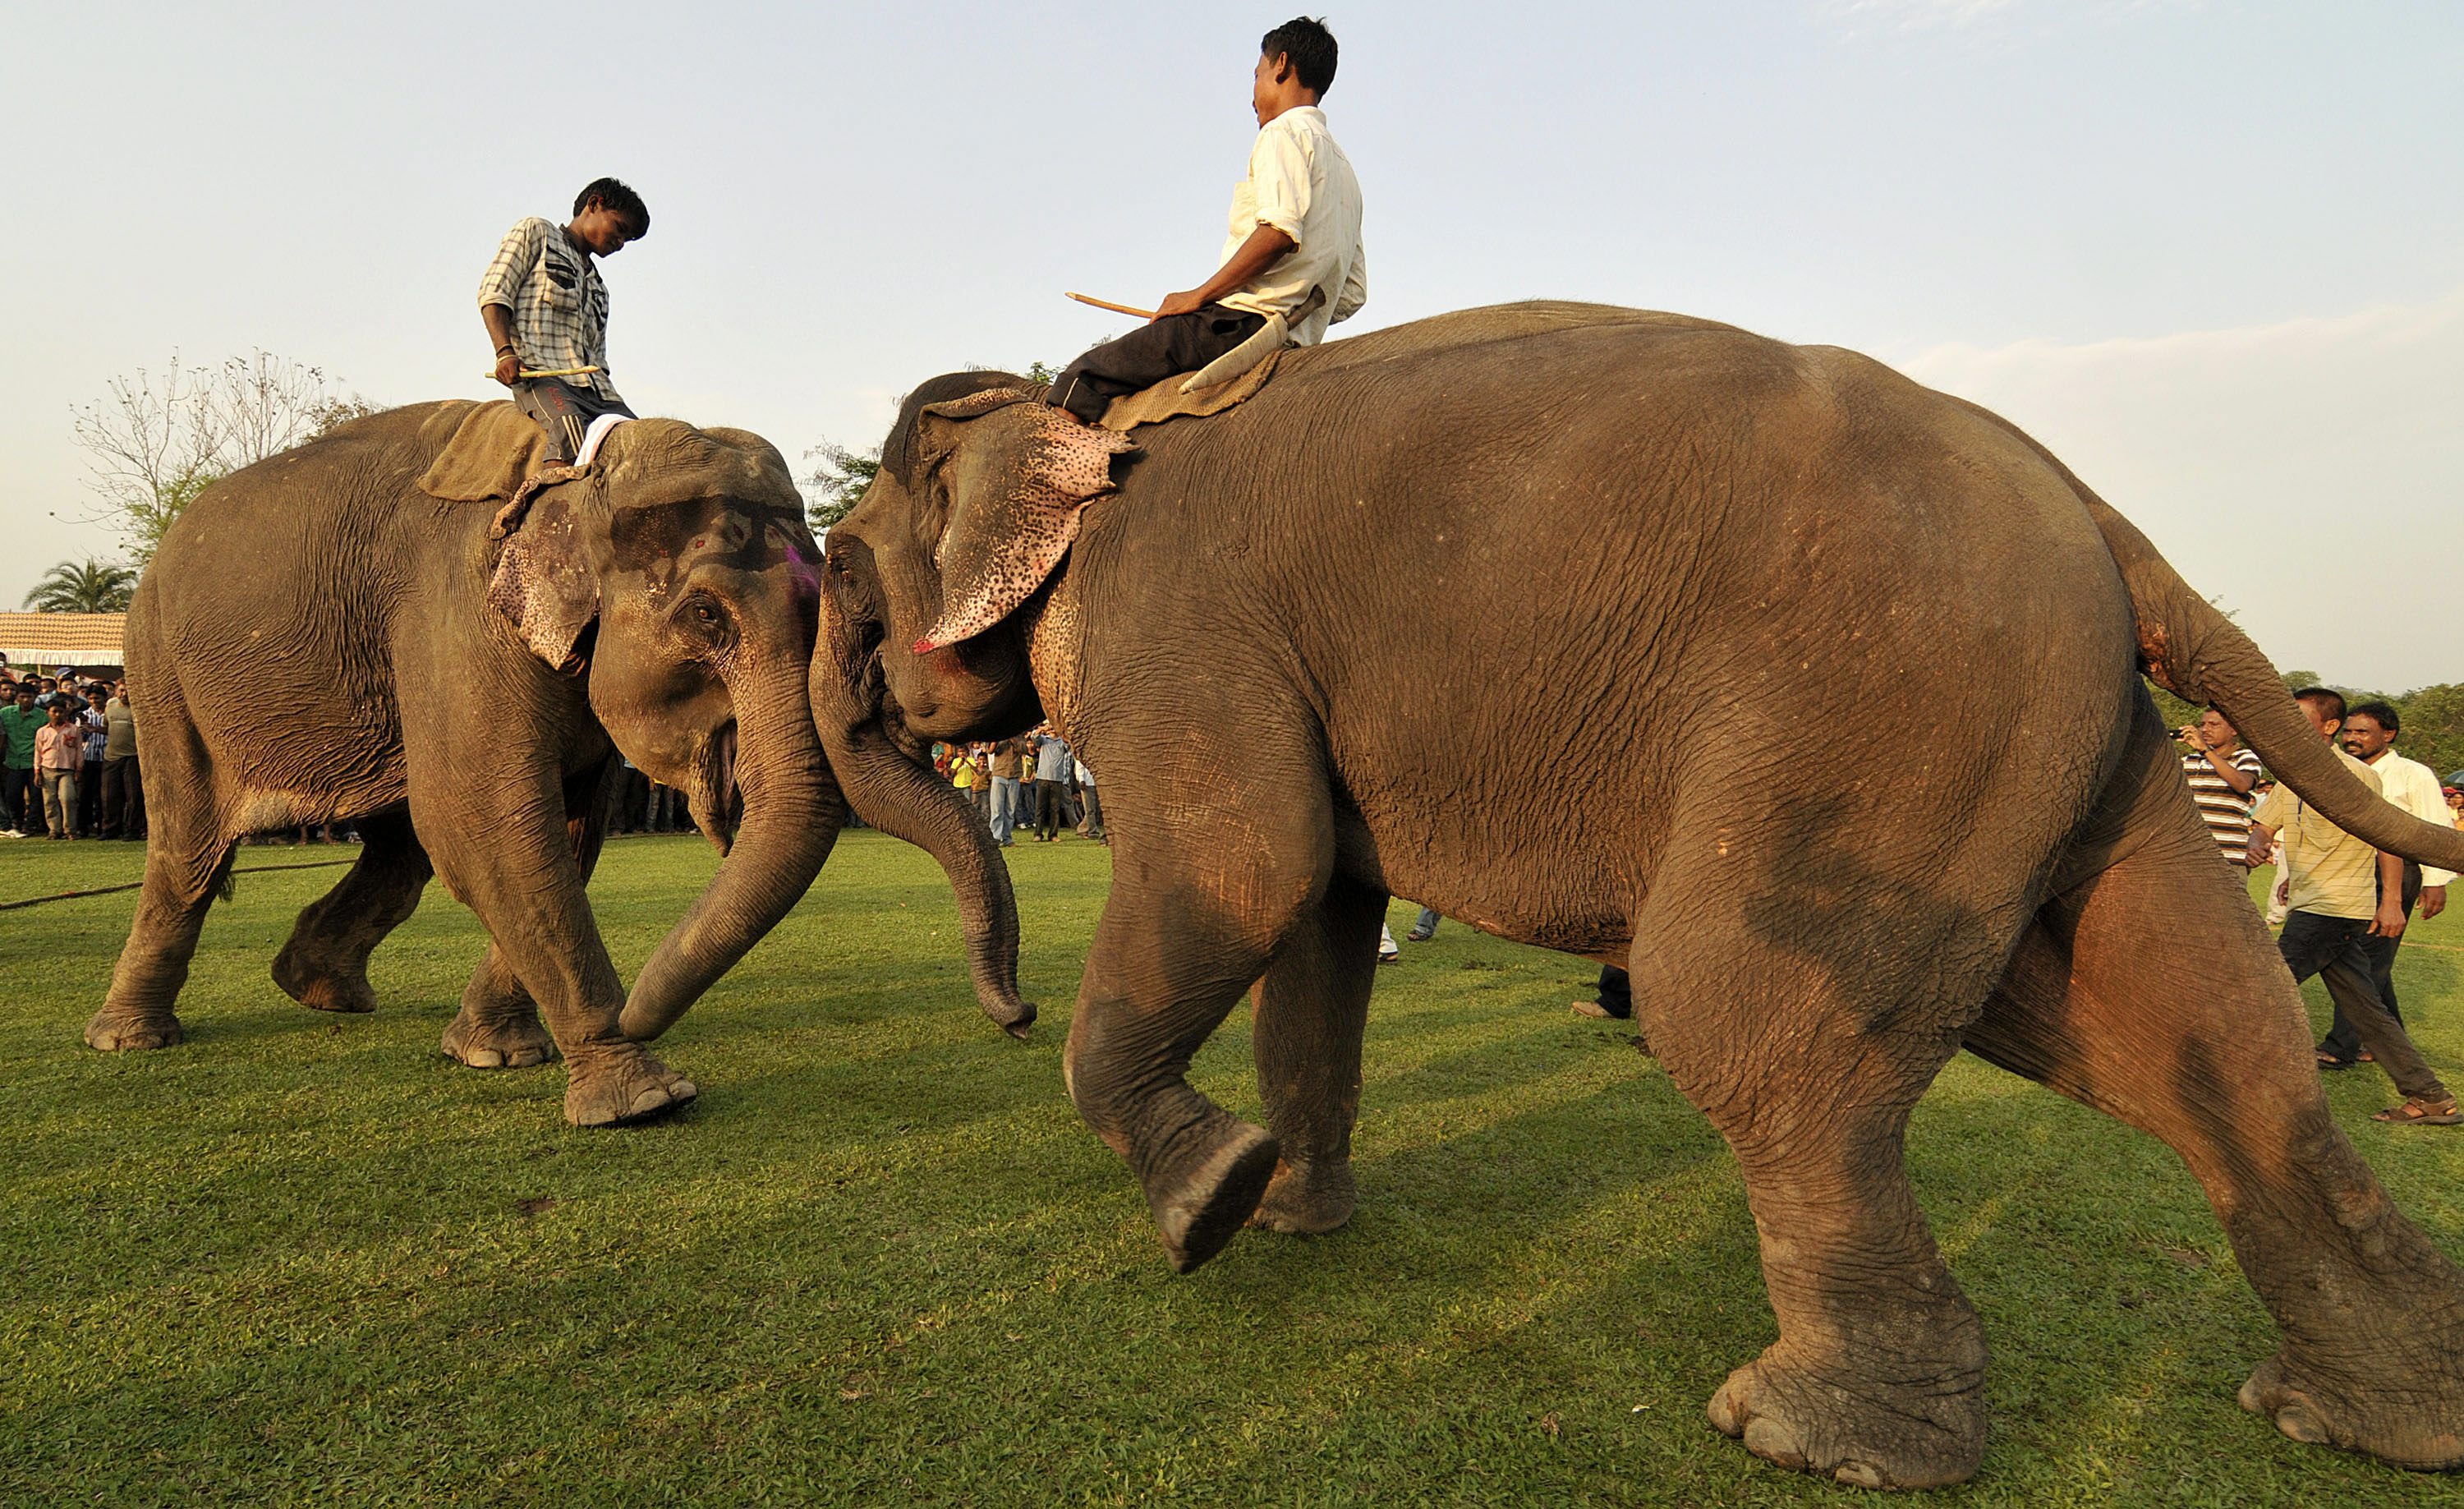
(2412, 785)
(1301, 184)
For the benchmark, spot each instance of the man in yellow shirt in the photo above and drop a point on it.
(2343, 894)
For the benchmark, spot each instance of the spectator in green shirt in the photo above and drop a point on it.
(19, 724)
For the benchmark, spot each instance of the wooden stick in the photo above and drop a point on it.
(552, 371)
(1118, 309)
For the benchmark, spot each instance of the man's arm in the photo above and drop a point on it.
(499, 321)
(516, 255)
(1256, 254)
(2390, 922)
(2261, 847)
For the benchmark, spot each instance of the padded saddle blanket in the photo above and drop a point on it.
(1153, 406)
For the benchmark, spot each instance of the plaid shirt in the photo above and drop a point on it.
(558, 299)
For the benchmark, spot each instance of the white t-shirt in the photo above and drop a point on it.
(1301, 184)
(2412, 785)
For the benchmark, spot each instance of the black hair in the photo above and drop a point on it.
(614, 193)
(1310, 46)
(2378, 713)
(2329, 694)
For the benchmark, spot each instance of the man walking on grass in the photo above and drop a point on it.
(545, 307)
(2344, 895)
(2369, 736)
(1294, 232)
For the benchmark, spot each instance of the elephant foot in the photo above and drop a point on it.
(2406, 1417)
(622, 1086)
(1858, 1432)
(320, 989)
(1197, 1214)
(116, 1032)
(1307, 1199)
(516, 1043)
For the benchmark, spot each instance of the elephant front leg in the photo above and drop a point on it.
(1172, 955)
(520, 871)
(498, 1026)
(1309, 1010)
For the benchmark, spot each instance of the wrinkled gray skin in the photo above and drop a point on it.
(317, 640)
(1778, 583)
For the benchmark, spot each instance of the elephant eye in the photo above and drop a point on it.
(706, 616)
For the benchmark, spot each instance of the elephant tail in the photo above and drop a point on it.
(2197, 654)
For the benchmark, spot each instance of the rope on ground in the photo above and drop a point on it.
(137, 885)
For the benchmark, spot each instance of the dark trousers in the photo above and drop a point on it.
(1617, 992)
(21, 799)
(2340, 1039)
(1095, 812)
(565, 413)
(90, 798)
(2336, 949)
(123, 798)
(1047, 808)
(1147, 355)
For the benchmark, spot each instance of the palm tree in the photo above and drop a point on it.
(89, 587)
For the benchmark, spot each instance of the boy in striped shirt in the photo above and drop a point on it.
(2222, 775)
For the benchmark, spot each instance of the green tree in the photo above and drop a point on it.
(2434, 727)
(83, 587)
(837, 482)
(839, 476)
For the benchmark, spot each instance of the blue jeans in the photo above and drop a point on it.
(1427, 925)
(1006, 807)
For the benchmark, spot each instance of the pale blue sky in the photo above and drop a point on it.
(2208, 252)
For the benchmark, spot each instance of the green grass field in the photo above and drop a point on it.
(303, 1257)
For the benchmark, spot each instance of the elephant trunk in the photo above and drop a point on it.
(904, 799)
(792, 816)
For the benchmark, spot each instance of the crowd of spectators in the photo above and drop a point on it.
(1034, 782)
(68, 758)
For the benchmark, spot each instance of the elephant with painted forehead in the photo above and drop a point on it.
(398, 624)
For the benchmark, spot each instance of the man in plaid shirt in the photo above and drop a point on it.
(545, 308)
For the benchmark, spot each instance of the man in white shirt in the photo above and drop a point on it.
(1293, 234)
(2369, 736)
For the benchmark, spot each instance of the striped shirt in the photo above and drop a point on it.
(558, 299)
(2227, 811)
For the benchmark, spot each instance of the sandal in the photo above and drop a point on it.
(2329, 1060)
(2418, 1112)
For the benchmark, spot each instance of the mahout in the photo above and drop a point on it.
(410, 624)
(1809, 695)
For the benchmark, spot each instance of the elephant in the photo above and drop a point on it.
(1780, 582)
(409, 624)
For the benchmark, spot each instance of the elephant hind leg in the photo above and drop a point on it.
(326, 964)
(187, 863)
(2153, 992)
(1804, 1008)
(1309, 1013)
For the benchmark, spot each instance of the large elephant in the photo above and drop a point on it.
(398, 624)
(1885, 782)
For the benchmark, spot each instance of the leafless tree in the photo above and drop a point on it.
(159, 439)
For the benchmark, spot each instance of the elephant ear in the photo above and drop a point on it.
(546, 584)
(1016, 479)
(490, 452)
